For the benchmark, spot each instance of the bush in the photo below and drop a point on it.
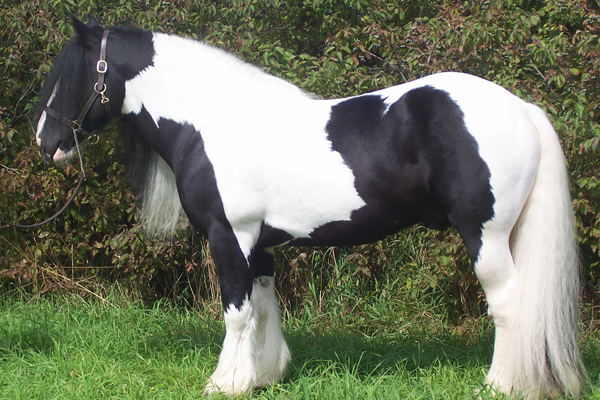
(545, 52)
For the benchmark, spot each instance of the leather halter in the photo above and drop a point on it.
(99, 89)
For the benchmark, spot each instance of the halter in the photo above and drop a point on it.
(99, 89)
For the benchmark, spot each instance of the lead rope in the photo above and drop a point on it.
(79, 154)
(56, 215)
(69, 201)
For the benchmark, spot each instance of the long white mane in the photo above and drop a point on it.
(161, 211)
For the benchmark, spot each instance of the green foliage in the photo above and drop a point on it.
(545, 52)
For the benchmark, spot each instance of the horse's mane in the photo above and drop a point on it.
(228, 67)
(154, 182)
(70, 71)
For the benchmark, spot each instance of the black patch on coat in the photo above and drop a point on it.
(417, 162)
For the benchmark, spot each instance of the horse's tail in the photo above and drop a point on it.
(544, 249)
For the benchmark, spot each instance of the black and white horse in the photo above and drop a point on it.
(254, 163)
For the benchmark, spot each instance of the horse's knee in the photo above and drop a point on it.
(263, 296)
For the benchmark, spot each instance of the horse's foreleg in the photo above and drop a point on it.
(236, 370)
(254, 352)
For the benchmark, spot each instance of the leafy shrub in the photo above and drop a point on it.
(545, 52)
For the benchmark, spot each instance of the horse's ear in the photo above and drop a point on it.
(92, 21)
(82, 31)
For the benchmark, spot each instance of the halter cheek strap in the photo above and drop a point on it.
(99, 90)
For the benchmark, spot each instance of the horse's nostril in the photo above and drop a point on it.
(46, 156)
(48, 150)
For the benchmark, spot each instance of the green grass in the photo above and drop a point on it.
(66, 347)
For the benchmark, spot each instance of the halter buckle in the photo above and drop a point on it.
(101, 66)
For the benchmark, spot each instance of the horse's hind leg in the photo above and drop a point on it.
(272, 354)
(485, 224)
(496, 271)
(489, 247)
(254, 352)
(498, 276)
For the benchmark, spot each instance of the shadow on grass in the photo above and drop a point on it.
(34, 334)
(365, 356)
(361, 354)
(590, 350)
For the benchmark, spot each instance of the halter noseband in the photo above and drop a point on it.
(99, 89)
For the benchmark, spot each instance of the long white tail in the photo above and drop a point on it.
(544, 249)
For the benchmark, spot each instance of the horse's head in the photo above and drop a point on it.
(80, 94)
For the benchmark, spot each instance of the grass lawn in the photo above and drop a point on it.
(66, 347)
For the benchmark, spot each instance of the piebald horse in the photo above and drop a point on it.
(254, 163)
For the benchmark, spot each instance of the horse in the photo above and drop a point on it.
(254, 163)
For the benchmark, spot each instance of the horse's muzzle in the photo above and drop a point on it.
(46, 157)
